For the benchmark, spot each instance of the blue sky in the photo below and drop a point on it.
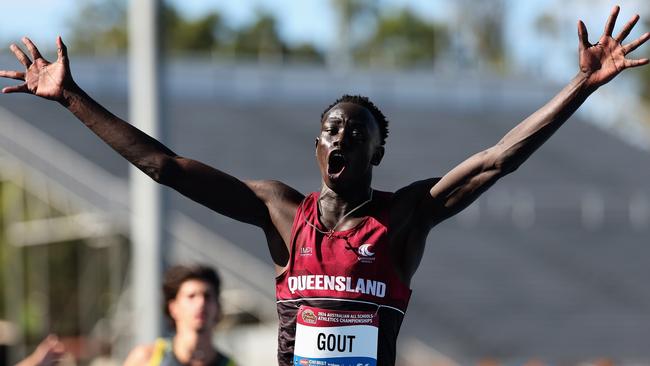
(310, 20)
(314, 21)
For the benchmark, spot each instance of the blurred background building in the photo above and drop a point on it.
(550, 264)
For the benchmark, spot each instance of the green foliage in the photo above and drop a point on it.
(99, 27)
(404, 40)
(352, 11)
(182, 35)
(260, 39)
(488, 29)
(63, 287)
(305, 53)
(547, 24)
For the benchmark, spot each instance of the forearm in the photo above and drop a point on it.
(143, 151)
(518, 144)
(468, 180)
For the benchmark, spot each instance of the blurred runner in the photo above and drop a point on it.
(192, 306)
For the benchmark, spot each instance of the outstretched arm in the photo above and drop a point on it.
(599, 63)
(265, 204)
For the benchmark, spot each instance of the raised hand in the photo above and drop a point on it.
(41, 77)
(602, 61)
(48, 353)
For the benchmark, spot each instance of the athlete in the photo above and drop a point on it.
(191, 295)
(344, 256)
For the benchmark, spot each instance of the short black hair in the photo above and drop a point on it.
(176, 275)
(360, 100)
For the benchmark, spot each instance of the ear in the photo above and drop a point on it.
(171, 306)
(377, 156)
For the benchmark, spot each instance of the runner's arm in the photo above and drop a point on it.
(139, 356)
(202, 183)
(599, 63)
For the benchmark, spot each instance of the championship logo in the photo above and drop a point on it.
(365, 253)
(308, 316)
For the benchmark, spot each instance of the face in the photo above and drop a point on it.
(348, 146)
(195, 306)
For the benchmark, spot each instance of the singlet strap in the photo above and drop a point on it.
(301, 211)
(160, 347)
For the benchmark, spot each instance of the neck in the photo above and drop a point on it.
(335, 205)
(348, 197)
(192, 347)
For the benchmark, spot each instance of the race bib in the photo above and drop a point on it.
(335, 337)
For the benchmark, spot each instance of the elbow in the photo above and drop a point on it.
(503, 163)
(506, 167)
(161, 169)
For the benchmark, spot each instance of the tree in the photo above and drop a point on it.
(183, 35)
(99, 27)
(404, 40)
(547, 24)
(305, 53)
(349, 12)
(478, 33)
(260, 40)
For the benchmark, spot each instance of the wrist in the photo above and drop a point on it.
(70, 95)
(582, 80)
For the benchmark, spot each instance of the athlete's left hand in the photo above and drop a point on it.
(48, 353)
(602, 61)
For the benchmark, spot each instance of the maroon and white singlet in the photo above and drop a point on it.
(350, 270)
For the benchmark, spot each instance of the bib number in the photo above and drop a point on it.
(335, 338)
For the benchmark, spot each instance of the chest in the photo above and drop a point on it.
(364, 249)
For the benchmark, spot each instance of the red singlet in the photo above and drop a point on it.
(347, 270)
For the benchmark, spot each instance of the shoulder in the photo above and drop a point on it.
(277, 196)
(140, 355)
(273, 190)
(413, 194)
(281, 203)
(409, 202)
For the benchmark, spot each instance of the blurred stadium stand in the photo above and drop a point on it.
(551, 263)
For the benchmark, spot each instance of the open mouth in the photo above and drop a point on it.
(335, 163)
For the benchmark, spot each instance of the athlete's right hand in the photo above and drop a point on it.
(41, 77)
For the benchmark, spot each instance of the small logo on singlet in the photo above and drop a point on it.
(365, 253)
(305, 251)
(308, 316)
